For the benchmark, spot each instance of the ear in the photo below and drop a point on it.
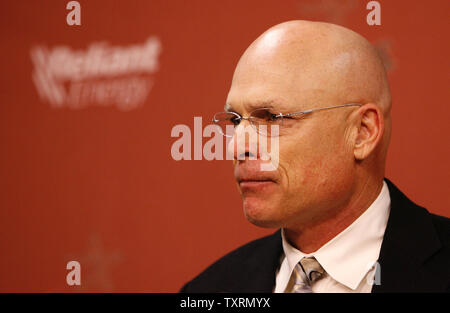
(370, 130)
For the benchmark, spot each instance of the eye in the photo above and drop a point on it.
(265, 115)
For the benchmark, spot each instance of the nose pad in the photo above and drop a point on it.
(247, 154)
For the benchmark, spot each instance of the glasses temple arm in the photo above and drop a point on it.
(325, 108)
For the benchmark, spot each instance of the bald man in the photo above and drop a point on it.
(342, 227)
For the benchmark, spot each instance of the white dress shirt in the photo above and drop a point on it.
(349, 258)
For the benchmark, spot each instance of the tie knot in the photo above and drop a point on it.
(306, 272)
(311, 269)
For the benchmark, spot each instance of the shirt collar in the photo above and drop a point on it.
(350, 255)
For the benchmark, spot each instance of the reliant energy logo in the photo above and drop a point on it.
(101, 75)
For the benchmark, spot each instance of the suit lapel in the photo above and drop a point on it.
(261, 268)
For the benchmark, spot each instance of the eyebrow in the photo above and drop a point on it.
(254, 105)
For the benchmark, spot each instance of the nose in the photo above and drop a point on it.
(244, 143)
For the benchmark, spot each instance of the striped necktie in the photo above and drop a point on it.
(306, 272)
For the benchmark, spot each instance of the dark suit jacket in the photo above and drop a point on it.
(414, 256)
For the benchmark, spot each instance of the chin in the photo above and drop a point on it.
(261, 213)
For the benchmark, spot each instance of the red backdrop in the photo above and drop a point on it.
(90, 178)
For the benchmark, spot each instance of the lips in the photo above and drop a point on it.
(249, 173)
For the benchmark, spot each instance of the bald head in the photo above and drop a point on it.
(325, 64)
(330, 56)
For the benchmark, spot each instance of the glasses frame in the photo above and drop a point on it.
(279, 115)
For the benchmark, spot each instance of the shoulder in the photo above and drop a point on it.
(240, 256)
(229, 273)
(419, 221)
(415, 251)
(438, 263)
(442, 226)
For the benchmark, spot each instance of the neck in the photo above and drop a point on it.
(311, 237)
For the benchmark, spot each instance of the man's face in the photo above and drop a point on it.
(315, 166)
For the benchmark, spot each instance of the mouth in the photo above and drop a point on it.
(251, 179)
(255, 185)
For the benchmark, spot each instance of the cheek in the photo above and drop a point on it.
(300, 165)
(311, 164)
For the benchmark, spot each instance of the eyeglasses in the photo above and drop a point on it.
(261, 119)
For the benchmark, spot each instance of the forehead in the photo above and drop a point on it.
(245, 102)
(285, 79)
(274, 86)
(253, 104)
